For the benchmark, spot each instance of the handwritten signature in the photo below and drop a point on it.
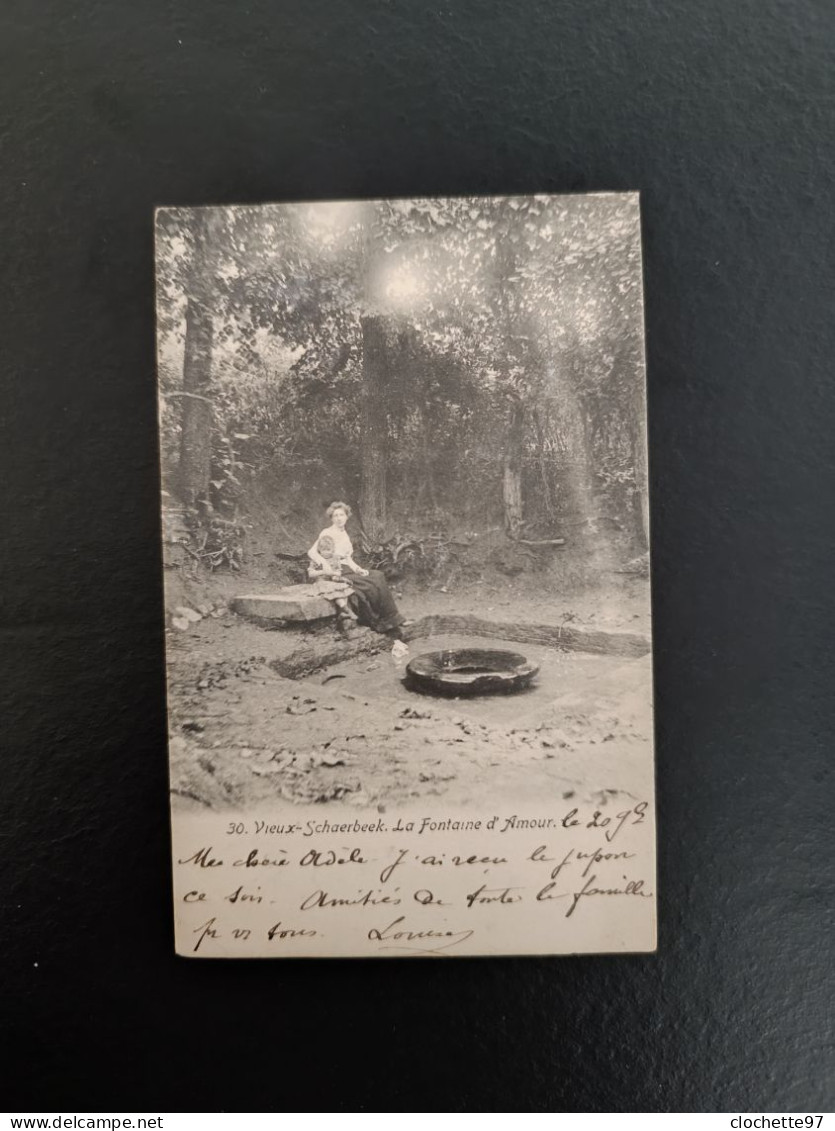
(395, 937)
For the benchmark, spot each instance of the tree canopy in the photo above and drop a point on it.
(468, 361)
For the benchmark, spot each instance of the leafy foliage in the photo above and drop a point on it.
(514, 348)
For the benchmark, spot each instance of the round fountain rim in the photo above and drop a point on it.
(499, 671)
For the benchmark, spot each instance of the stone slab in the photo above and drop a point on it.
(294, 604)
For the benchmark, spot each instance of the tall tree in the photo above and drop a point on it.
(374, 432)
(197, 414)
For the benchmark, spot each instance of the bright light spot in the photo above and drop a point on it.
(330, 218)
(402, 285)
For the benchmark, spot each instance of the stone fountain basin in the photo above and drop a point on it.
(470, 671)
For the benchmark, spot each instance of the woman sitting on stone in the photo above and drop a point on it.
(371, 597)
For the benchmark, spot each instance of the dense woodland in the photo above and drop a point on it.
(443, 365)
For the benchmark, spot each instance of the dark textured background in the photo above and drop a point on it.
(721, 113)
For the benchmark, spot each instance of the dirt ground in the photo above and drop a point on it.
(242, 736)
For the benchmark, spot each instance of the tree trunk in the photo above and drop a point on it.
(374, 425)
(512, 478)
(197, 416)
(641, 500)
(196, 437)
(428, 480)
(636, 422)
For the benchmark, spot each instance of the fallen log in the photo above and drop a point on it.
(310, 656)
(296, 607)
(553, 636)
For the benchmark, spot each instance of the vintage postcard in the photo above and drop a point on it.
(406, 558)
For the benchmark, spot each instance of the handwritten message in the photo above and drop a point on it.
(580, 878)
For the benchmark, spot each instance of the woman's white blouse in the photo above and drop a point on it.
(342, 545)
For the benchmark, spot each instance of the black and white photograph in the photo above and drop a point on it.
(405, 514)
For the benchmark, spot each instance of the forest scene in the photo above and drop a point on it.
(467, 377)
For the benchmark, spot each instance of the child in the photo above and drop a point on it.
(327, 579)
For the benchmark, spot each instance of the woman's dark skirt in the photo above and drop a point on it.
(372, 601)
